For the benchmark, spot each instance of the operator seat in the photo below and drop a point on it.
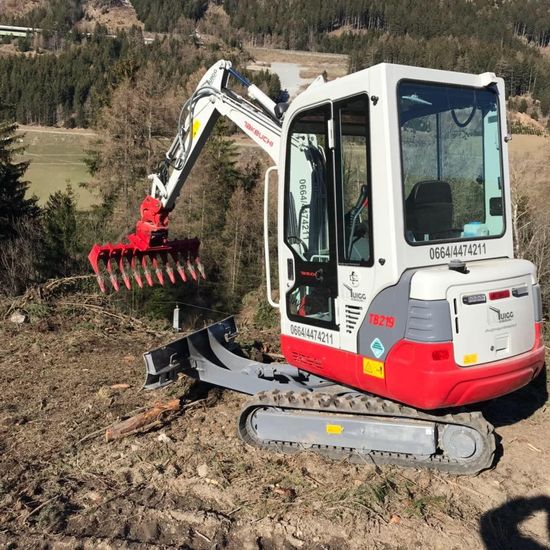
(429, 210)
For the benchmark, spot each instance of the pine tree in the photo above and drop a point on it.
(13, 204)
(60, 235)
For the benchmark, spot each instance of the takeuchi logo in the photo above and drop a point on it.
(257, 133)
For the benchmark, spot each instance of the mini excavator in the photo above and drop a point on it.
(400, 298)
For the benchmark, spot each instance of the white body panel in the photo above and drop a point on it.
(490, 330)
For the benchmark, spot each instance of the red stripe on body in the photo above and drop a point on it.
(414, 377)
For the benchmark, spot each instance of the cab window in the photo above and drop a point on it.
(451, 162)
(353, 181)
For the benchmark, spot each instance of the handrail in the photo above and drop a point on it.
(266, 236)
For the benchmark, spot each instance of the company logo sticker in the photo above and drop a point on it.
(377, 348)
(212, 77)
(256, 132)
(502, 316)
(355, 295)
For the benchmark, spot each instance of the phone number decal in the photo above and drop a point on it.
(312, 334)
(457, 250)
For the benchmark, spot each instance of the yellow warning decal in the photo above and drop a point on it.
(334, 429)
(470, 358)
(373, 368)
(196, 126)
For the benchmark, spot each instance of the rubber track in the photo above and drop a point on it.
(363, 405)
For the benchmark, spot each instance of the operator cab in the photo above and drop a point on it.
(389, 178)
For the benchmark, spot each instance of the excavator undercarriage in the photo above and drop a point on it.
(291, 410)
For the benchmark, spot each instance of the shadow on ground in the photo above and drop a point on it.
(518, 405)
(499, 528)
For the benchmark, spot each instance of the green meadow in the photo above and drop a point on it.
(56, 157)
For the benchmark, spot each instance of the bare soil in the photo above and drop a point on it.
(191, 483)
(119, 16)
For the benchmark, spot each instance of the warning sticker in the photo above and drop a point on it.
(470, 359)
(373, 368)
(377, 347)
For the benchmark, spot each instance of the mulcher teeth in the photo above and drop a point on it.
(122, 263)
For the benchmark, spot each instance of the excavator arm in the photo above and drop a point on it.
(149, 254)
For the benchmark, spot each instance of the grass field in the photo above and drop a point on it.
(56, 157)
(56, 160)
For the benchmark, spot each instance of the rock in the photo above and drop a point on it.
(45, 325)
(163, 438)
(18, 318)
(202, 470)
(94, 496)
(395, 519)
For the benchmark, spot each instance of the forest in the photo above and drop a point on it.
(167, 15)
(69, 88)
(472, 36)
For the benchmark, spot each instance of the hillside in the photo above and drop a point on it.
(509, 38)
(113, 15)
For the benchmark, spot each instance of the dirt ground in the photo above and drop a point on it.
(191, 483)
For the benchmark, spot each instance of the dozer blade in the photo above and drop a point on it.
(149, 256)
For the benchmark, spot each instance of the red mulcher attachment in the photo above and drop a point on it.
(149, 254)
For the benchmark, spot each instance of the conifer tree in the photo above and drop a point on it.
(14, 206)
(60, 235)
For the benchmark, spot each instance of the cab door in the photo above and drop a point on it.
(354, 214)
(310, 286)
